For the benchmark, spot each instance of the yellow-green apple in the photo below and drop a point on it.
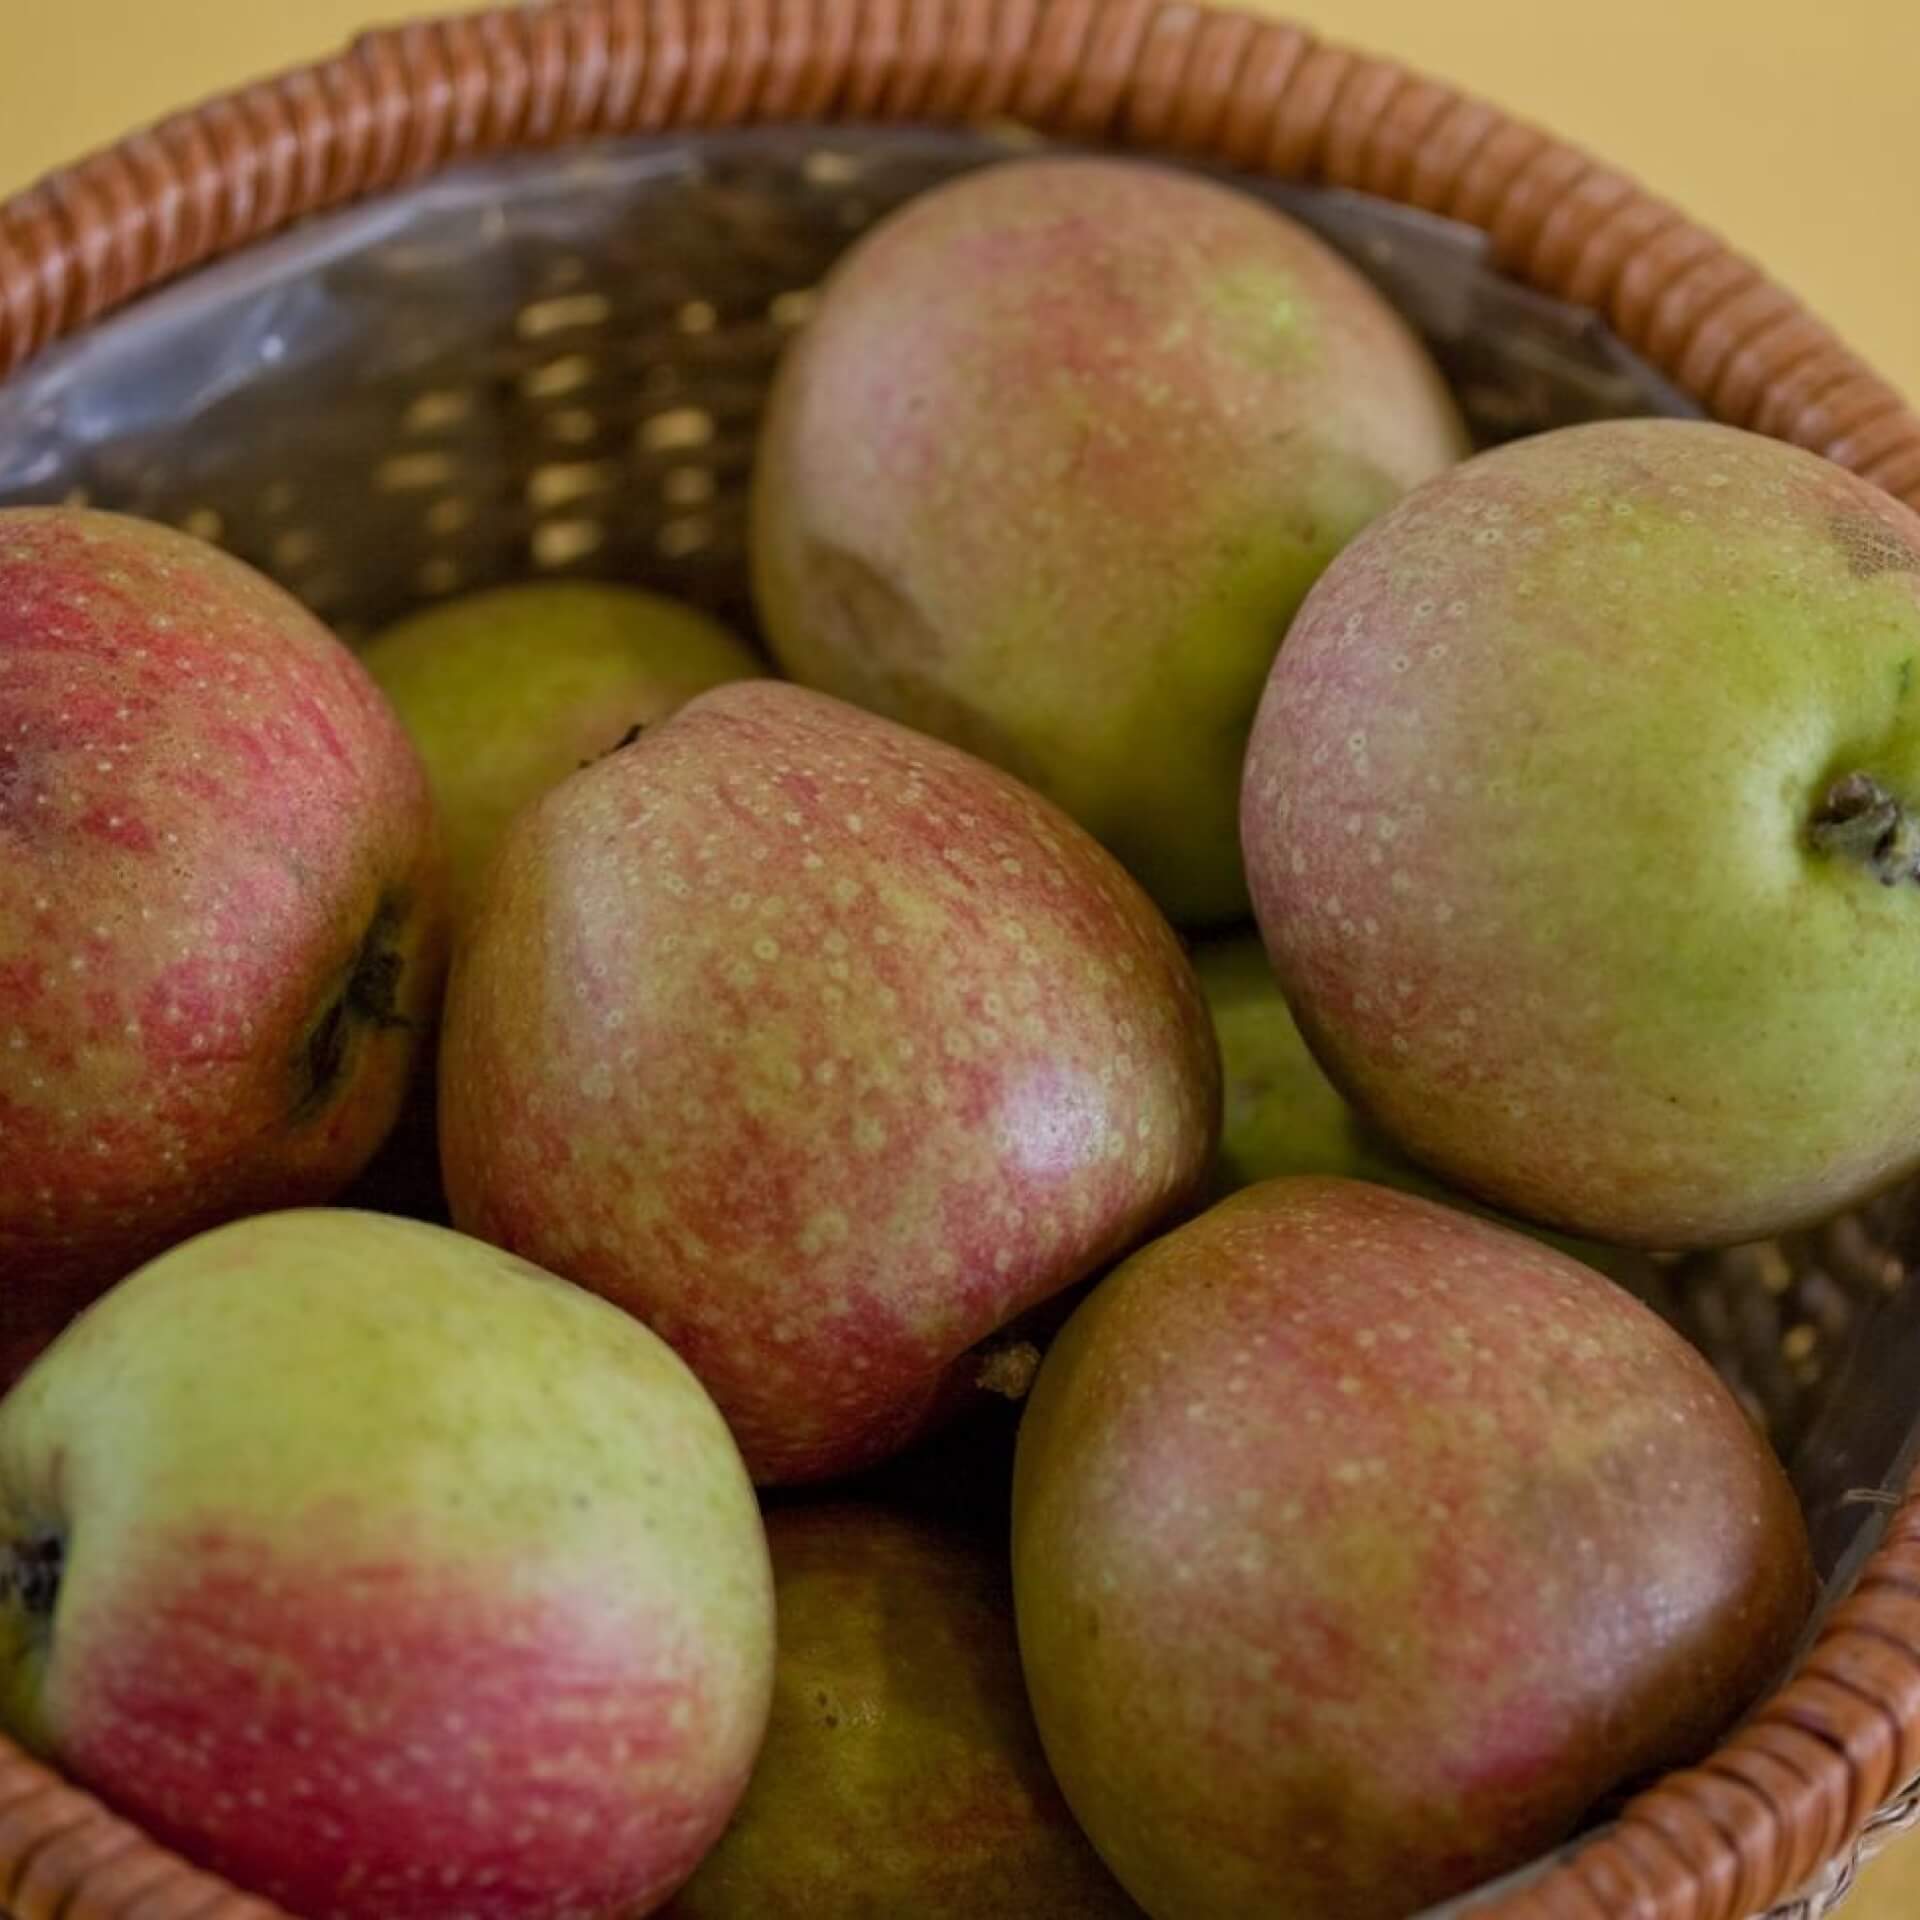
(1361, 1545)
(220, 905)
(1580, 817)
(825, 1048)
(507, 692)
(1280, 1113)
(1051, 468)
(385, 1574)
(901, 1772)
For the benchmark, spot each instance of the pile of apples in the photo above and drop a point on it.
(812, 1067)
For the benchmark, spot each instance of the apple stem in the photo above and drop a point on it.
(1860, 820)
(1008, 1369)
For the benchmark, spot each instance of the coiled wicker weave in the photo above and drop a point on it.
(1779, 1814)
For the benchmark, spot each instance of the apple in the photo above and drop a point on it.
(508, 691)
(220, 907)
(1360, 1545)
(1579, 818)
(1051, 468)
(386, 1575)
(901, 1772)
(824, 1048)
(1280, 1113)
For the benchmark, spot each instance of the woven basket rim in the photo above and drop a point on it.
(1826, 1764)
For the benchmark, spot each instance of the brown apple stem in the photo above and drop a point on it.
(1008, 1369)
(1860, 820)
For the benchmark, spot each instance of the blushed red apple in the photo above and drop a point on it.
(1360, 1545)
(1581, 817)
(220, 918)
(386, 1575)
(1051, 467)
(901, 1773)
(826, 1049)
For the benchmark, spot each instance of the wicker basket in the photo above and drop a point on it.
(555, 361)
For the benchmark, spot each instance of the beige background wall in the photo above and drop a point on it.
(1794, 128)
(1793, 125)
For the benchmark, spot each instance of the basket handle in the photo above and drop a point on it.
(1788, 1793)
(1158, 74)
(1797, 1784)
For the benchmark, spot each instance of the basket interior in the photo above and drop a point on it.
(555, 365)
